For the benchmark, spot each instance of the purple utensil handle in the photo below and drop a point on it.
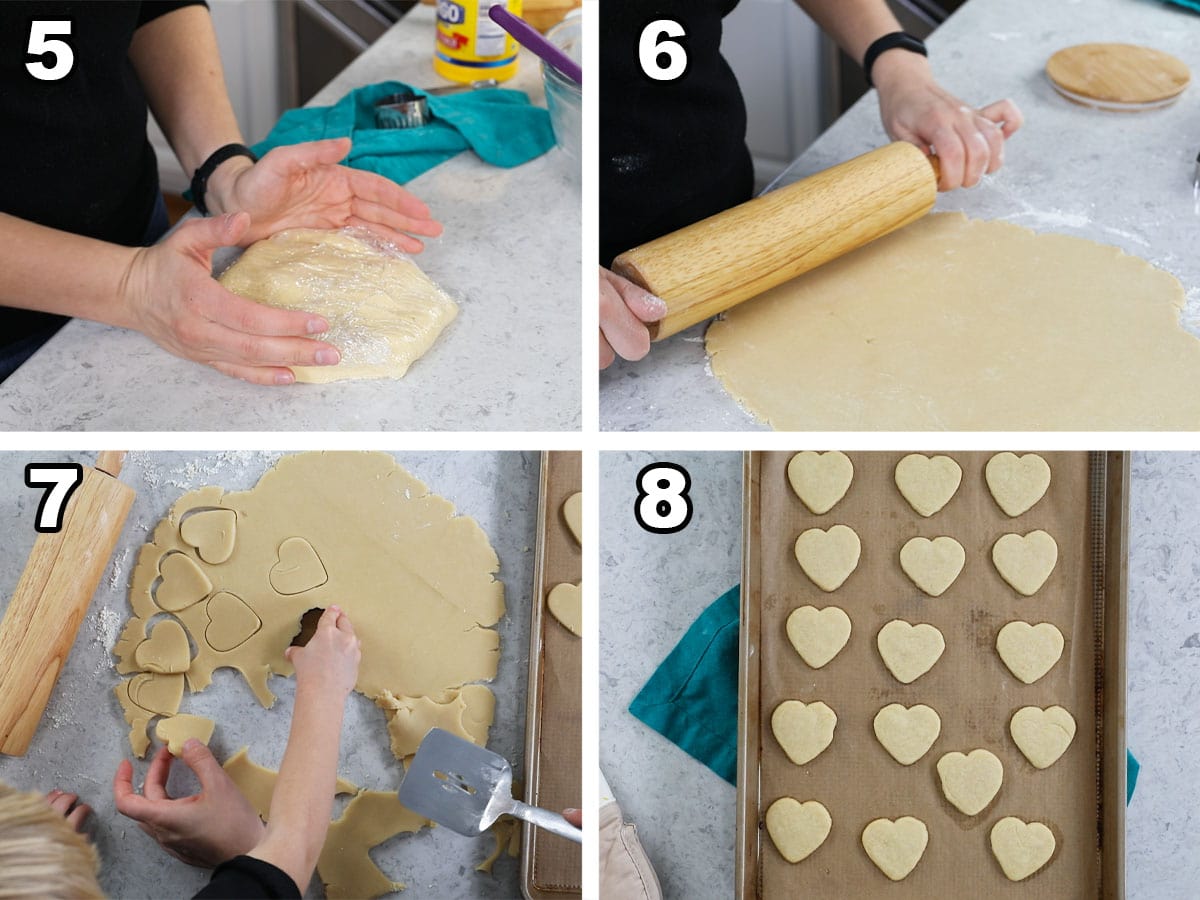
(527, 36)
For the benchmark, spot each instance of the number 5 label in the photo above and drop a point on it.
(651, 50)
(40, 44)
(663, 505)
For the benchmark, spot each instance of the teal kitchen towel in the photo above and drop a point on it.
(501, 126)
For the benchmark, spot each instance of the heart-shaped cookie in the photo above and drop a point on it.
(566, 602)
(820, 480)
(572, 510)
(803, 730)
(828, 557)
(1043, 735)
(797, 829)
(907, 733)
(213, 532)
(932, 565)
(166, 650)
(1029, 651)
(895, 846)
(297, 568)
(818, 634)
(927, 482)
(178, 730)
(972, 781)
(183, 583)
(1017, 482)
(1020, 847)
(159, 694)
(1025, 562)
(909, 651)
(230, 622)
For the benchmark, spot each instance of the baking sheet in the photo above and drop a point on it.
(551, 865)
(970, 688)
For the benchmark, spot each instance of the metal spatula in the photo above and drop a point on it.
(466, 788)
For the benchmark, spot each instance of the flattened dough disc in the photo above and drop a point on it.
(1123, 77)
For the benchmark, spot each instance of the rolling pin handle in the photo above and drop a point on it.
(110, 461)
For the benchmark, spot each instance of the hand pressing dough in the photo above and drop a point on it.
(818, 634)
(166, 651)
(803, 730)
(572, 510)
(927, 482)
(566, 602)
(468, 713)
(895, 847)
(909, 651)
(178, 730)
(1025, 562)
(1043, 735)
(907, 733)
(1017, 483)
(932, 565)
(953, 324)
(828, 557)
(213, 532)
(383, 312)
(820, 480)
(972, 781)
(1021, 848)
(1029, 651)
(797, 829)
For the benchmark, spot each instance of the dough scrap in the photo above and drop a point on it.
(932, 565)
(166, 651)
(566, 602)
(183, 583)
(178, 730)
(572, 510)
(803, 730)
(1043, 735)
(507, 833)
(895, 846)
(970, 781)
(143, 697)
(820, 480)
(258, 782)
(907, 733)
(927, 482)
(909, 651)
(383, 312)
(797, 829)
(818, 635)
(828, 557)
(1020, 847)
(213, 532)
(1029, 651)
(298, 568)
(1017, 483)
(468, 713)
(1025, 562)
(966, 325)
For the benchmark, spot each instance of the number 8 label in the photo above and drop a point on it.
(663, 505)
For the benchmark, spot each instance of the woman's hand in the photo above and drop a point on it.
(331, 656)
(625, 309)
(68, 806)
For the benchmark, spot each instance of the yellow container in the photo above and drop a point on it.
(470, 46)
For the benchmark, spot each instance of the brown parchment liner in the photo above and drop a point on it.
(973, 692)
(551, 865)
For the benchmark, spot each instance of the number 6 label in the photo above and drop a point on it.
(663, 505)
(651, 49)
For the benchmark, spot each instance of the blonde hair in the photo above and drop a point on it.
(40, 854)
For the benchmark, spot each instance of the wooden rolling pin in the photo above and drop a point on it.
(715, 264)
(52, 596)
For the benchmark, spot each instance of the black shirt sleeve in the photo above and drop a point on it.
(152, 9)
(245, 877)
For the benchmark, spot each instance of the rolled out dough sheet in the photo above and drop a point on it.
(960, 324)
(383, 312)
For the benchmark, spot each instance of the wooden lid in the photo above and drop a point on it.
(1117, 76)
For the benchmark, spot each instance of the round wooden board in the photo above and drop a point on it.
(1117, 76)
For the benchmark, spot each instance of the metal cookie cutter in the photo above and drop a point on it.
(409, 110)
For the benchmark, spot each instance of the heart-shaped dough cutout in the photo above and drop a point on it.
(1043, 735)
(1029, 651)
(803, 730)
(828, 557)
(183, 583)
(820, 480)
(818, 634)
(1017, 483)
(927, 482)
(572, 510)
(213, 532)
(972, 781)
(158, 694)
(298, 568)
(1020, 847)
(907, 733)
(178, 730)
(166, 651)
(1025, 562)
(566, 602)
(909, 651)
(230, 622)
(932, 565)
(797, 829)
(895, 846)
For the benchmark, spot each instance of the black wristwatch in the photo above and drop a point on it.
(200, 178)
(901, 39)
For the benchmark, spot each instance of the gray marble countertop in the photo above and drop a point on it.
(1116, 178)
(510, 256)
(653, 587)
(83, 736)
